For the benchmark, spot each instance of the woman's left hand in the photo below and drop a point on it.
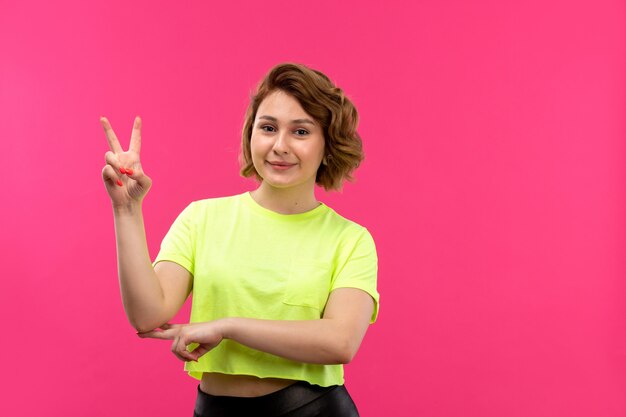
(207, 335)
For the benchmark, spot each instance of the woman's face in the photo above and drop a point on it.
(287, 144)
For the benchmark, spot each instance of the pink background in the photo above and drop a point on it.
(494, 186)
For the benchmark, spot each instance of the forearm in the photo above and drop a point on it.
(142, 295)
(312, 341)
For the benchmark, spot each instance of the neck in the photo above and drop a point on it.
(285, 200)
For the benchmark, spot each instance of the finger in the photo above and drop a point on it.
(179, 349)
(199, 351)
(185, 346)
(110, 177)
(112, 159)
(135, 137)
(175, 352)
(170, 326)
(114, 144)
(158, 334)
(137, 174)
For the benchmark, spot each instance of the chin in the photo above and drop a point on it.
(279, 184)
(282, 182)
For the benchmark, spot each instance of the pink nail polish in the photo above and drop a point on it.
(120, 183)
(129, 171)
(122, 170)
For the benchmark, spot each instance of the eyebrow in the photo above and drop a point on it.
(273, 119)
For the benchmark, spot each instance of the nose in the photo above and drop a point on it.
(280, 144)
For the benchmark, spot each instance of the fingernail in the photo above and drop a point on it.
(122, 170)
(129, 171)
(119, 183)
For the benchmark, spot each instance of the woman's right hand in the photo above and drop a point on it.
(123, 176)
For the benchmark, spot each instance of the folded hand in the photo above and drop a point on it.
(206, 334)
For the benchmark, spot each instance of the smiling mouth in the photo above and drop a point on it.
(281, 166)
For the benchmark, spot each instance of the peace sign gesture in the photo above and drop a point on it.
(123, 177)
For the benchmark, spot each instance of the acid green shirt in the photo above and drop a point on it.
(248, 261)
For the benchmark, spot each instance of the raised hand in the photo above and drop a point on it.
(123, 176)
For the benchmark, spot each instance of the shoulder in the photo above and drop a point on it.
(348, 234)
(349, 228)
(214, 203)
(200, 211)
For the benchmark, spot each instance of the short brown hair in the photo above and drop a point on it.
(328, 105)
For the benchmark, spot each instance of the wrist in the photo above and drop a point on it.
(227, 326)
(129, 209)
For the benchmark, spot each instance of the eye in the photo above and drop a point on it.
(267, 126)
(302, 132)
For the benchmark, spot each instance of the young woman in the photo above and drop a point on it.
(284, 288)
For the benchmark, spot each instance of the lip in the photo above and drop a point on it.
(278, 163)
(280, 166)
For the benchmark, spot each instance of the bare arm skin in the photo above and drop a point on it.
(333, 339)
(151, 296)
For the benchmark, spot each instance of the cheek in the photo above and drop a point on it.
(320, 152)
(255, 146)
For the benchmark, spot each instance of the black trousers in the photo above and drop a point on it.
(300, 399)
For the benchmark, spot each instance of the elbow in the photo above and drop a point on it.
(143, 329)
(346, 352)
(344, 358)
(144, 326)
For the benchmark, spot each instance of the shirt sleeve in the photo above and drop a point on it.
(178, 245)
(358, 268)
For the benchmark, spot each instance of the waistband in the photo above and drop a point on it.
(279, 402)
